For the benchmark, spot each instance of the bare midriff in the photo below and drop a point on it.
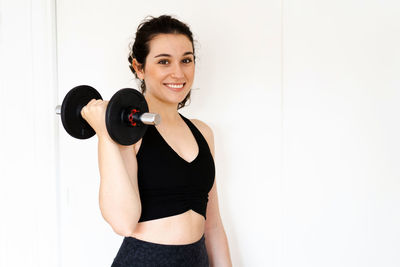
(181, 229)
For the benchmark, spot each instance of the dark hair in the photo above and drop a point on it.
(146, 31)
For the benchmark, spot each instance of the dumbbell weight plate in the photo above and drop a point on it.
(121, 103)
(71, 118)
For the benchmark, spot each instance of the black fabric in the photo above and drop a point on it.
(168, 184)
(135, 252)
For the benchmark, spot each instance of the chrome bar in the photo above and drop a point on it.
(150, 118)
(58, 110)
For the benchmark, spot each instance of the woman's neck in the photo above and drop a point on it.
(168, 112)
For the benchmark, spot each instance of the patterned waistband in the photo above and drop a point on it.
(133, 240)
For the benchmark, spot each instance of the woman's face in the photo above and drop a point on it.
(169, 68)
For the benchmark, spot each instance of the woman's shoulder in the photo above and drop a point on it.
(202, 126)
(206, 131)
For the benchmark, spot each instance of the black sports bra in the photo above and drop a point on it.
(168, 184)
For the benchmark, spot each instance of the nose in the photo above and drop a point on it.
(177, 71)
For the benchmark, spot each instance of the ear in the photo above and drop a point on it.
(138, 68)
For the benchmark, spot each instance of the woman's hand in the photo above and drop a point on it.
(95, 114)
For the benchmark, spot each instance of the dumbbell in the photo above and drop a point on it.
(127, 116)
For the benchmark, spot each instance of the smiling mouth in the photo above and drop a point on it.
(175, 85)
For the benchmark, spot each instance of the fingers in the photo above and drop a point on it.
(91, 103)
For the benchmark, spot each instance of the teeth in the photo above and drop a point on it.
(175, 85)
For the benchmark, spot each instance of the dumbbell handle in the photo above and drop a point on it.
(145, 118)
(150, 118)
(58, 110)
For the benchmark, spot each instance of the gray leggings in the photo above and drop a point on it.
(135, 252)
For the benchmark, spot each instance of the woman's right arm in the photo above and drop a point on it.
(119, 194)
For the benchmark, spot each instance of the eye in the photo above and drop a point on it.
(187, 60)
(163, 62)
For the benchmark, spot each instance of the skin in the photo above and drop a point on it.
(170, 64)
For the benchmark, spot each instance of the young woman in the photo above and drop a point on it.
(160, 193)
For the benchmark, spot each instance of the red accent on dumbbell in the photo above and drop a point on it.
(133, 111)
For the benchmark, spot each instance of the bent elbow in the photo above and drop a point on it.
(123, 232)
(126, 230)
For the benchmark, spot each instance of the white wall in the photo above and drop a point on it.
(341, 94)
(302, 97)
(29, 212)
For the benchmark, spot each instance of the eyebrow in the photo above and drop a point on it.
(167, 55)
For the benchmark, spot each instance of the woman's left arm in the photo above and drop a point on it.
(216, 240)
(214, 232)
